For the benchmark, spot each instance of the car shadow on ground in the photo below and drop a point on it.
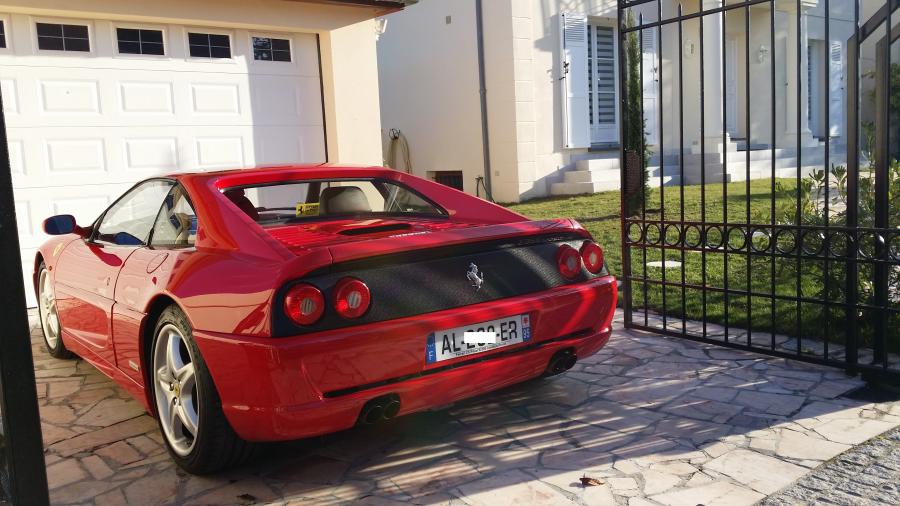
(649, 418)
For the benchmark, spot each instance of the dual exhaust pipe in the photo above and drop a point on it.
(560, 362)
(379, 409)
(384, 408)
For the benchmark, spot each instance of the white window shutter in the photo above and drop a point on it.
(836, 89)
(574, 80)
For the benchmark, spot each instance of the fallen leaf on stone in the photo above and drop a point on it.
(587, 481)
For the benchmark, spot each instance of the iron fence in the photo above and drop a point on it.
(766, 214)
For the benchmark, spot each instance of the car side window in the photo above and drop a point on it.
(129, 221)
(176, 223)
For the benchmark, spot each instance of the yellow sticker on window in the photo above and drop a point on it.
(307, 209)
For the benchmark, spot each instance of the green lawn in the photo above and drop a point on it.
(600, 214)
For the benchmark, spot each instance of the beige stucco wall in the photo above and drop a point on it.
(350, 86)
(429, 87)
(347, 37)
(430, 90)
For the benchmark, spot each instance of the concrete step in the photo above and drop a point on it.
(667, 170)
(591, 176)
(653, 182)
(596, 155)
(582, 188)
(594, 164)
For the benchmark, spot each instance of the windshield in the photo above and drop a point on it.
(293, 201)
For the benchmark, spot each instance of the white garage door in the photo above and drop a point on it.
(88, 118)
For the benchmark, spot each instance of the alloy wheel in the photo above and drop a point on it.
(177, 398)
(47, 310)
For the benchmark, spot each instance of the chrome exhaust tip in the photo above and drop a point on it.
(379, 409)
(391, 409)
(560, 362)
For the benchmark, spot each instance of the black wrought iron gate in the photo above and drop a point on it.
(761, 182)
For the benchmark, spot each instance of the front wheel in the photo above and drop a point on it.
(50, 326)
(188, 408)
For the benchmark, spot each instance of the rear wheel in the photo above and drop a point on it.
(50, 326)
(188, 407)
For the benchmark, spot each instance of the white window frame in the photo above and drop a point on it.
(114, 36)
(263, 35)
(232, 39)
(609, 23)
(92, 36)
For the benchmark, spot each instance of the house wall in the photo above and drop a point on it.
(430, 90)
(347, 36)
(760, 78)
(429, 87)
(537, 56)
(434, 75)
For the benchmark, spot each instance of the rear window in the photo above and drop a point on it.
(294, 201)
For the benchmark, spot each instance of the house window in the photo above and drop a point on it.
(2, 34)
(57, 37)
(268, 49)
(139, 41)
(451, 178)
(209, 45)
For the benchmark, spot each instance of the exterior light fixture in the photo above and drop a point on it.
(380, 27)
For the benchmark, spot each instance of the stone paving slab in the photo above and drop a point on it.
(866, 475)
(657, 420)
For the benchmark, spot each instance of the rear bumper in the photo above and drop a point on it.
(295, 387)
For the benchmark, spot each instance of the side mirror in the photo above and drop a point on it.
(60, 225)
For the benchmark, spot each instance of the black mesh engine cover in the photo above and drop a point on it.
(419, 282)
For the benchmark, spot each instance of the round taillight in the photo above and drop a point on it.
(569, 261)
(304, 304)
(592, 256)
(351, 298)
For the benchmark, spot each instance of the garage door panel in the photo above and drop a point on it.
(10, 97)
(309, 102)
(199, 100)
(151, 154)
(215, 98)
(275, 100)
(83, 128)
(24, 221)
(312, 143)
(85, 202)
(146, 97)
(220, 152)
(16, 157)
(86, 156)
(64, 96)
(28, 255)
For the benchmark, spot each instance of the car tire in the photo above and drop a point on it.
(185, 398)
(51, 328)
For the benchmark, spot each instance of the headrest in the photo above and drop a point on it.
(239, 198)
(344, 200)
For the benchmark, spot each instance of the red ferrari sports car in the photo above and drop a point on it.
(284, 302)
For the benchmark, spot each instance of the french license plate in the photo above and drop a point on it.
(449, 344)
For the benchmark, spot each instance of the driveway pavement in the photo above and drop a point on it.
(653, 420)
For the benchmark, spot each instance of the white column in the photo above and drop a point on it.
(713, 82)
(791, 132)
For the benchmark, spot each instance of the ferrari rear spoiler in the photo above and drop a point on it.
(347, 252)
